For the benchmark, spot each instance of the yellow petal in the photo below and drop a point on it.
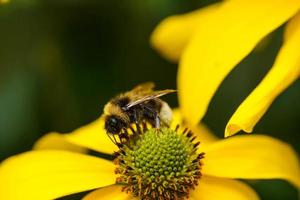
(91, 136)
(49, 174)
(252, 157)
(220, 44)
(112, 192)
(292, 27)
(284, 72)
(57, 141)
(212, 188)
(203, 133)
(4, 1)
(171, 36)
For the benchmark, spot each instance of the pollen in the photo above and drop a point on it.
(159, 164)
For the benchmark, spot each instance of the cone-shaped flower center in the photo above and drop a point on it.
(159, 164)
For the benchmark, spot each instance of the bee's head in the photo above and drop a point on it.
(114, 124)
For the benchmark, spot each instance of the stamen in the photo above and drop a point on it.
(159, 164)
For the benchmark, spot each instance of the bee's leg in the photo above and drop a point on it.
(110, 138)
(113, 139)
(144, 126)
(125, 132)
(151, 116)
(123, 136)
(116, 142)
(157, 121)
(138, 128)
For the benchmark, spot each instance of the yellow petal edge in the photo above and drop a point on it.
(91, 136)
(220, 43)
(172, 35)
(57, 141)
(284, 72)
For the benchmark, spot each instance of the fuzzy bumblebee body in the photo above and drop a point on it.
(142, 104)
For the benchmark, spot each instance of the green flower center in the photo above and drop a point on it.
(159, 164)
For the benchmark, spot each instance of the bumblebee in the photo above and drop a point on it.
(141, 104)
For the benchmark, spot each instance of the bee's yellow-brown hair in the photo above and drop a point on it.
(112, 109)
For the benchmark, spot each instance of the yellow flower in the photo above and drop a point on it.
(59, 167)
(210, 42)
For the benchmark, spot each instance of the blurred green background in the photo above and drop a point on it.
(62, 60)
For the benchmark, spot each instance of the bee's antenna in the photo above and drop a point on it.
(113, 140)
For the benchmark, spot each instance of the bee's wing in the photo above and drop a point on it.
(143, 88)
(152, 95)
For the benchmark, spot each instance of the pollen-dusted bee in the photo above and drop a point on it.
(141, 104)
